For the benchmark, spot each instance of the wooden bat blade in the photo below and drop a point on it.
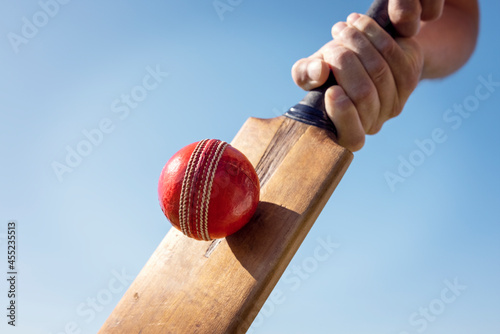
(182, 289)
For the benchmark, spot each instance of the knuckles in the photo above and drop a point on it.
(365, 96)
(343, 57)
(366, 25)
(379, 70)
(353, 36)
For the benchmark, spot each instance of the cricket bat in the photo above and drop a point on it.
(191, 286)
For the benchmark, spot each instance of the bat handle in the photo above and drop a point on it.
(311, 110)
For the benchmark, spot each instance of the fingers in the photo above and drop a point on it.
(351, 75)
(364, 43)
(402, 62)
(309, 73)
(376, 74)
(343, 113)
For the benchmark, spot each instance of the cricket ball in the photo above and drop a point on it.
(208, 190)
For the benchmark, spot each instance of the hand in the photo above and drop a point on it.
(376, 75)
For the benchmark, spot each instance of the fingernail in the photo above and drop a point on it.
(353, 17)
(314, 70)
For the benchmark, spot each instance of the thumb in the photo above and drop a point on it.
(309, 73)
(405, 15)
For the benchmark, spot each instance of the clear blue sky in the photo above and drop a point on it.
(423, 257)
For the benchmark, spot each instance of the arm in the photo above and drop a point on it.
(376, 73)
(448, 42)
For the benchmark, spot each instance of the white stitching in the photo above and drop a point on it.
(207, 189)
(187, 184)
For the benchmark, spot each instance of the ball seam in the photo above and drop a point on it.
(187, 184)
(207, 188)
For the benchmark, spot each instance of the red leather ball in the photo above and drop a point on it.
(208, 190)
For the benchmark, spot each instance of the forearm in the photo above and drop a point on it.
(448, 42)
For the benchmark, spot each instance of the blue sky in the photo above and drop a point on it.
(422, 256)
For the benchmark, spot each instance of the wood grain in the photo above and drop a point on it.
(180, 290)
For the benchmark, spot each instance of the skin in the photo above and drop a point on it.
(377, 73)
